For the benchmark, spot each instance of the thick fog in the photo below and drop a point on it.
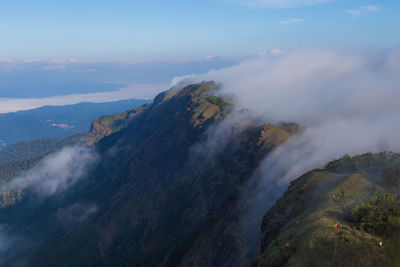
(54, 174)
(347, 102)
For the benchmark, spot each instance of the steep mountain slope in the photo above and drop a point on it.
(359, 193)
(56, 121)
(164, 194)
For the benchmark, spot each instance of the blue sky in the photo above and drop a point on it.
(154, 29)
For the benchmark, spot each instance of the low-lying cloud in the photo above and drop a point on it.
(348, 103)
(54, 174)
(75, 213)
(57, 172)
(313, 86)
(217, 137)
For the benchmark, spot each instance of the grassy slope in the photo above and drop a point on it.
(108, 124)
(299, 230)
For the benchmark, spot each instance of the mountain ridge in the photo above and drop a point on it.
(169, 189)
(301, 229)
(156, 174)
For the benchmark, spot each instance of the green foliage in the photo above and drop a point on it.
(108, 124)
(219, 101)
(345, 163)
(18, 158)
(379, 215)
(34, 148)
(368, 162)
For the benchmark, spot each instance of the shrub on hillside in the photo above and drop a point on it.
(378, 215)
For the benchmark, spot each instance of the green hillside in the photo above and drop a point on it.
(359, 193)
(108, 124)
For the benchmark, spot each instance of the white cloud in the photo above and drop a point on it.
(347, 102)
(370, 8)
(278, 3)
(75, 213)
(358, 12)
(57, 172)
(276, 52)
(291, 21)
(261, 53)
(353, 12)
(272, 52)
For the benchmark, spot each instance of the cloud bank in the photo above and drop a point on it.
(348, 103)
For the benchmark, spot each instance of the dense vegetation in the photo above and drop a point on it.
(365, 162)
(18, 158)
(220, 102)
(35, 148)
(379, 215)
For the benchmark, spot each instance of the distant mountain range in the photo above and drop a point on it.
(56, 121)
